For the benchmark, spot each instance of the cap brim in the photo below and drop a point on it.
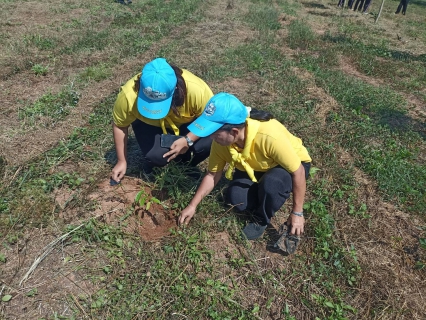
(153, 109)
(202, 127)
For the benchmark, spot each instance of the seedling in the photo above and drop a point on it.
(144, 200)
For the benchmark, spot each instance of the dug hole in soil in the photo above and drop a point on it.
(151, 221)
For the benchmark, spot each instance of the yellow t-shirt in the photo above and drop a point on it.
(198, 94)
(270, 146)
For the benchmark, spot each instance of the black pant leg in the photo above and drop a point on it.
(404, 6)
(274, 189)
(242, 191)
(399, 7)
(366, 5)
(148, 138)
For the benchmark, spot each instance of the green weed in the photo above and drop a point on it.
(39, 70)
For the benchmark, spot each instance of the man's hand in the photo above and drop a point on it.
(119, 171)
(186, 215)
(297, 224)
(178, 147)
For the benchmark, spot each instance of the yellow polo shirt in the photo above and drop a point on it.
(271, 145)
(198, 94)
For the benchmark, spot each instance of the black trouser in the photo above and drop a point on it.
(402, 5)
(148, 138)
(267, 196)
(358, 5)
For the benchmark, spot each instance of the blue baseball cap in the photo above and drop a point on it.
(221, 109)
(157, 85)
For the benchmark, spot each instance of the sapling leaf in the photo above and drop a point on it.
(138, 196)
(155, 200)
(142, 201)
(6, 298)
(148, 205)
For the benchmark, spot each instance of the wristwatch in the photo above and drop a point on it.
(189, 141)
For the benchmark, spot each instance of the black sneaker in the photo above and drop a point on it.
(253, 230)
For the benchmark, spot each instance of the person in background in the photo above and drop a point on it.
(366, 6)
(362, 5)
(269, 163)
(163, 99)
(402, 5)
(341, 3)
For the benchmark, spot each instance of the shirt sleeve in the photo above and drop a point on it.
(122, 115)
(283, 153)
(216, 162)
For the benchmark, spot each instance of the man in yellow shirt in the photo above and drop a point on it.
(269, 163)
(163, 99)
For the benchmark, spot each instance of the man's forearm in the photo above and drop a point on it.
(299, 189)
(120, 140)
(207, 185)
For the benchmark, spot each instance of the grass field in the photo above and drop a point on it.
(352, 89)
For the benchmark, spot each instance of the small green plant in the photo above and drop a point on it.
(39, 69)
(2, 257)
(32, 292)
(144, 200)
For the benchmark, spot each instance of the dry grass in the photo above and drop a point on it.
(69, 279)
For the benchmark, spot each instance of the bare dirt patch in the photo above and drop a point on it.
(58, 276)
(151, 221)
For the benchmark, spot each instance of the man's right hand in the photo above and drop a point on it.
(119, 171)
(187, 214)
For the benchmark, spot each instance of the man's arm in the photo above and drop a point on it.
(210, 180)
(299, 190)
(120, 140)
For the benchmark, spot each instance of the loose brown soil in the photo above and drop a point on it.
(386, 244)
(117, 204)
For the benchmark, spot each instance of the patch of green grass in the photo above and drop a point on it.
(95, 73)
(290, 8)
(263, 16)
(300, 35)
(378, 60)
(40, 41)
(54, 107)
(91, 40)
(375, 127)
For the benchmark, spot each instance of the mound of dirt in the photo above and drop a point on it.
(151, 219)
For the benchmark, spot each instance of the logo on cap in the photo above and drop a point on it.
(154, 95)
(210, 109)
